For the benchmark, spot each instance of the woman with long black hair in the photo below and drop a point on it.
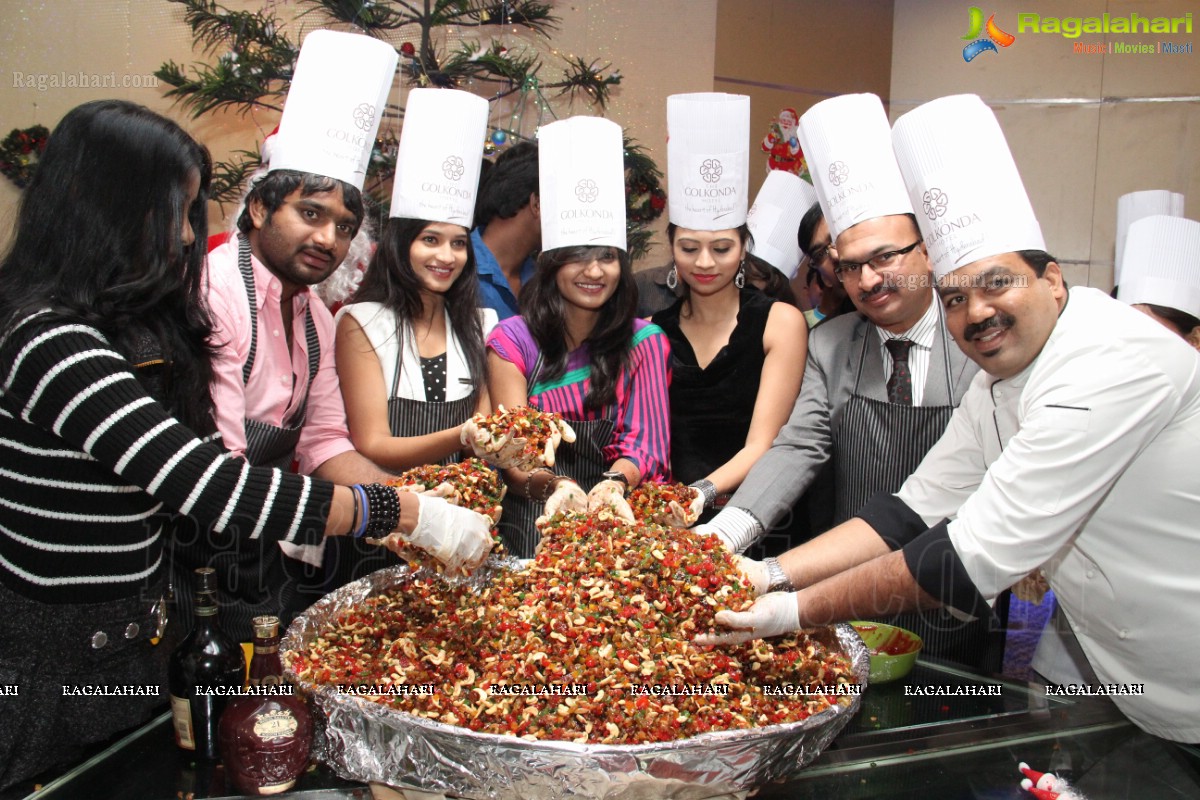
(107, 434)
(578, 348)
(410, 348)
(737, 355)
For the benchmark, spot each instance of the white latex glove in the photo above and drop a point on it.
(610, 494)
(707, 529)
(472, 435)
(567, 496)
(455, 536)
(686, 516)
(773, 614)
(443, 490)
(756, 572)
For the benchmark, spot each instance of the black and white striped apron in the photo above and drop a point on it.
(347, 558)
(582, 461)
(876, 446)
(254, 576)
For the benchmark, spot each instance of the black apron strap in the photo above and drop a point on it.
(247, 270)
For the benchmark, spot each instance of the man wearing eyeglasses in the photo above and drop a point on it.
(1065, 456)
(817, 245)
(879, 386)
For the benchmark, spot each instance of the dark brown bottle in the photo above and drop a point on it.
(204, 671)
(266, 737)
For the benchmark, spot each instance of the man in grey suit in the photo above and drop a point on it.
(879, 389)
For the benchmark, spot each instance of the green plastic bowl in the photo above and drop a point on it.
(893, 650)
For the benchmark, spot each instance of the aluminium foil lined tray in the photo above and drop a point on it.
(366, 741)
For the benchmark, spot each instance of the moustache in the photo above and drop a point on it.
(997, 320)
(323, 252)
(879, 288)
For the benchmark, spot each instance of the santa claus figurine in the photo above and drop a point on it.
(782, 145)
(1046, 785)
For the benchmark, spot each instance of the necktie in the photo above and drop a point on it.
(899, 386)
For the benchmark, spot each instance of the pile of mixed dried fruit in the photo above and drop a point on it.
(590, 643)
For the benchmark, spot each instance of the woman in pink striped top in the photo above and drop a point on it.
(578, 349)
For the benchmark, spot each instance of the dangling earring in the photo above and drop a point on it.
(672, 278)
(740, 280)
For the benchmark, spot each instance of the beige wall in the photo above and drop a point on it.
(660, 47)
(795, 53)
(1084, 129)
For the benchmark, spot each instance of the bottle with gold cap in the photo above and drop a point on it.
(267, 734)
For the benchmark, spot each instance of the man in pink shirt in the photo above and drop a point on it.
(274, 387)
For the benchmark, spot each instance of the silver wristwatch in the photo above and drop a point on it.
(779, 581)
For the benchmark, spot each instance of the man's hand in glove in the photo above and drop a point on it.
(773, 614)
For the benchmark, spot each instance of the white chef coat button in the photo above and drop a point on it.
(99, 639)
(275, 334)
(1123, 634)
(284, 380)
(132, 630)
(1091, 573)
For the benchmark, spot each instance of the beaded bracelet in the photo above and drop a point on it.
(384, 507)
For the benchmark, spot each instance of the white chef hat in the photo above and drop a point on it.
(774, 219)
(334, 105)
(1136, 205)
(581, 183)
(708, 160)
(964, 184)
(1162, 264)
(441, 149)
(848, 145)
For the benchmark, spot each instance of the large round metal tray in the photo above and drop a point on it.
(366, 741)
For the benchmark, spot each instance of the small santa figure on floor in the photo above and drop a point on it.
(1046, 785)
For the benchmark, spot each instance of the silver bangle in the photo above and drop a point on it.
(779, 581)
(708, 489)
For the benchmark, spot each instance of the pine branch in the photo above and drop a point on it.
(532, 15)
(474, 61)
(371, 16)
(224, 84)
(229, 177)
(254, 68)
(582, 76)
(218, 29)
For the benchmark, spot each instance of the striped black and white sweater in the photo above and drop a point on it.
(91, 465)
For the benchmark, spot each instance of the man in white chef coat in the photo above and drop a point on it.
(1072, 451)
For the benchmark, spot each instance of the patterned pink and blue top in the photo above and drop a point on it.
(642, 408)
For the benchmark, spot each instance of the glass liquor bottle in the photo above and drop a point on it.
(205, 669)
(266, 736)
